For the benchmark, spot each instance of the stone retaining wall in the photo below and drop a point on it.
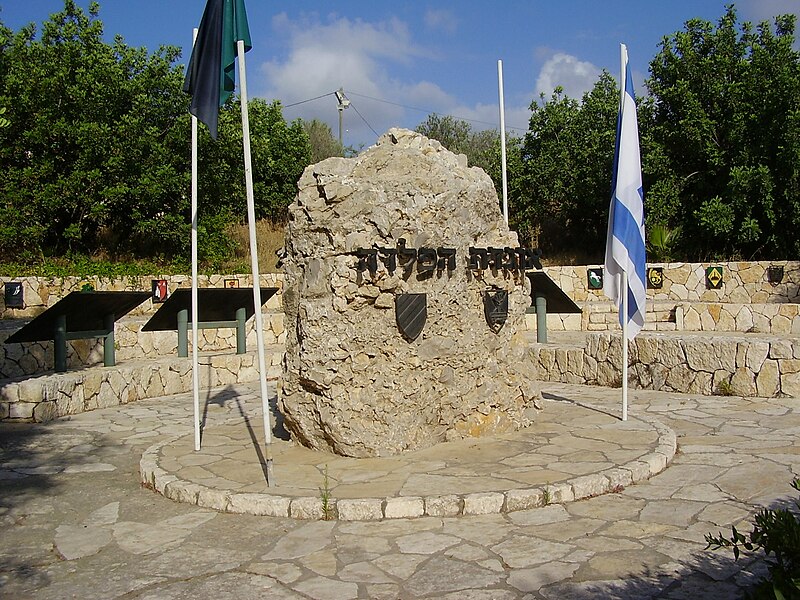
(661, 315)
(742, 283)
(760, 366)
(777, 319)
(18, 360)
(47, 397)
(41, 293)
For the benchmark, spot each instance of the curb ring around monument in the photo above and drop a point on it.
(159, 472)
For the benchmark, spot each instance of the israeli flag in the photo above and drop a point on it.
(625, 254)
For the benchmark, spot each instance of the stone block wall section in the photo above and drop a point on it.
(43, 398)
(742, 283)
(666, 315)
(746, 303)
(41, 293)
(762, 366)
(20, 360)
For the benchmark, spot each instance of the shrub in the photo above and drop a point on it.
(776, 532)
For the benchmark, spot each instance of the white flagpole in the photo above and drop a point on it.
(624, 309)
(195, 368)
(624, 291)
(251, 218)
(503, 139)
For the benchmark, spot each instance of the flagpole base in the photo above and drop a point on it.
(270, 475)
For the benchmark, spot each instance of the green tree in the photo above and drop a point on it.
(320, 137)
(561, 181)
(482, 148)
(280, 152)
(95, 149)
(722, 153)
(95, 156)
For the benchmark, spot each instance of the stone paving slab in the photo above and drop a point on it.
(76, 522)
(547, 462)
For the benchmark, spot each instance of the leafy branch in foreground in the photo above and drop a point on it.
(776, 532)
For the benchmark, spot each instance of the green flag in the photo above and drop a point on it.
(211, 76)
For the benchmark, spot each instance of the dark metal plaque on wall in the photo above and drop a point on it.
(594, 278)
(714, 278)
(411, 311)
(655, 278)
(495, 307)
(14, 294)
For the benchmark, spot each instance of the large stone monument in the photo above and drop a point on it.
(397, 270)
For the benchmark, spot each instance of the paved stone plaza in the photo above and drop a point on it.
(78, 524)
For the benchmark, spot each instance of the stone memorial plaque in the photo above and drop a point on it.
(594, 278)
(655, 278)
(714, 278)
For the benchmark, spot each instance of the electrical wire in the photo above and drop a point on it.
(353, 106)
(424, 110)
(431, 112)
(309, 100)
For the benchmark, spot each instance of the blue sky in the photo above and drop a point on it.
(399, 61)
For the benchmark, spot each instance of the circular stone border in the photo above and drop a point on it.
(403, 507)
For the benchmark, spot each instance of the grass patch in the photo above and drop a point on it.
(269, 239)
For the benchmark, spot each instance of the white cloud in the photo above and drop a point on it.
(575, 76)
(765, 10)
(363, 58)
(441, 20)
(355, 55)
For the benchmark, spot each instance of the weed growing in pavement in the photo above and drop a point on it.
(325, 496)
(724, 388)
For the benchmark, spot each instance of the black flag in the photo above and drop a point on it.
(210, 77)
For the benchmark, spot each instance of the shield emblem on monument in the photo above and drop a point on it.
(495, 307)
(411, 311)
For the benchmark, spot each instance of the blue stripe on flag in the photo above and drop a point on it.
(625, 246)
(626, 230)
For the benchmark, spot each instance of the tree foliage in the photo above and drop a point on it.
(280, 152)
(482, 148)
(726, 118)
(720, 143)
(563, 182)
(95, 148)
(96, 153)
(320, 137)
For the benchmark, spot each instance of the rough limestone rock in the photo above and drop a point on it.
(353, 384)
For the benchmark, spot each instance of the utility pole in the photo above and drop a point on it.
(343, 103)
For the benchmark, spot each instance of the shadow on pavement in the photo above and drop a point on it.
(229, 396)
(557, 398)
(34, 459)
